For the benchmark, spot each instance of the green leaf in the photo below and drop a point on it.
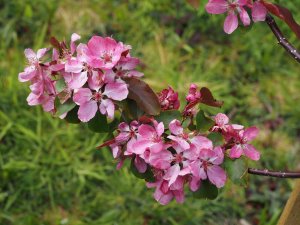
(207, 190)
(60, 85)
(216, 138)
(236, 170)
(130, 110)
(99, 124)
(72, 116)
(167, 116)
(66, 107)
(143, 95)
(203, 123)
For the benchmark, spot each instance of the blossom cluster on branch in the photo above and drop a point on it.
(97, 83)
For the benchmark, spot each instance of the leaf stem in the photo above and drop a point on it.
(279, 174)
(281, 39)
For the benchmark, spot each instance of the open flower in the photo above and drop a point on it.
(242, 147)
(208, 166)
(33, 68)
(104, 53)
(100, 97)
(232, 7)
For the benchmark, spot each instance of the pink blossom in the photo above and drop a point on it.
(168, 99)
(231, 7)
(150, 138)
(208, 166)
(32, 70)
(104, 53)
(242, 147)
(126, 67)
(165, 193)
(222, 124)
(90, 101)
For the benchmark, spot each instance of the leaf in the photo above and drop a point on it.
(99, 124)
(167, 116)
(72, 116)
(216, 138)
(285, 15)
(143, 95)
(208, 99)
(130, 110)
(203, 123)
(237, 170)
(194, 3)
(66, 107)
(207, 190)
(60, 85)
(55, 43)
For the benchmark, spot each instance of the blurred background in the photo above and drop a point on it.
(50, 171)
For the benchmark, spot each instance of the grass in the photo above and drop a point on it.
(50, 171)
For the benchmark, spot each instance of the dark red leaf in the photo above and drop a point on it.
(194, 3)
(143, 95)
(208, 99)
(285, 15)
(55, 43)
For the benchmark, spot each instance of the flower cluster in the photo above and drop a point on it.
(177, 156)
(92, 75)
(237, 7)
(167, 148)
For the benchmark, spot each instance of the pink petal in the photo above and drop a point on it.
(41, 52)
(95, 80)
(117, 91)
(28, 74)
(236, 152)
(216, 175)
(231, 23)
(259, 12)
(244, 17)
(251, 152)
(82, 96)
(73, 66)
(76, 80)
(107, 107)
(146, 131)
(242, 2)
(160, 129)
(74, 38)
(180, 141)
(87, 111)
(219, 158)
(221, 119)
(195, 183)
(161, 160)
(140, 164)
(48, 103)
(250, 134)
(206, 154)
(202, 142)
(162, 198)
(140, 146)
(175, 127)
(33, 99)
(179, 196)
(216, 6)
(30, 54)
(156, 147)
(172, 174)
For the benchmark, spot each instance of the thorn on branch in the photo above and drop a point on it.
(277, 174)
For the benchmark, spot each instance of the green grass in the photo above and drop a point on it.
(50, 171)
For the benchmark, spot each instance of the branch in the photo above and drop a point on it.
(268, 173)
(281, 39)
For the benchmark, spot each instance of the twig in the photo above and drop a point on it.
(268, 173)
(281, 39)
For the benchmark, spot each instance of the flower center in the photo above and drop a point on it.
(106, 57)
(97, 96)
